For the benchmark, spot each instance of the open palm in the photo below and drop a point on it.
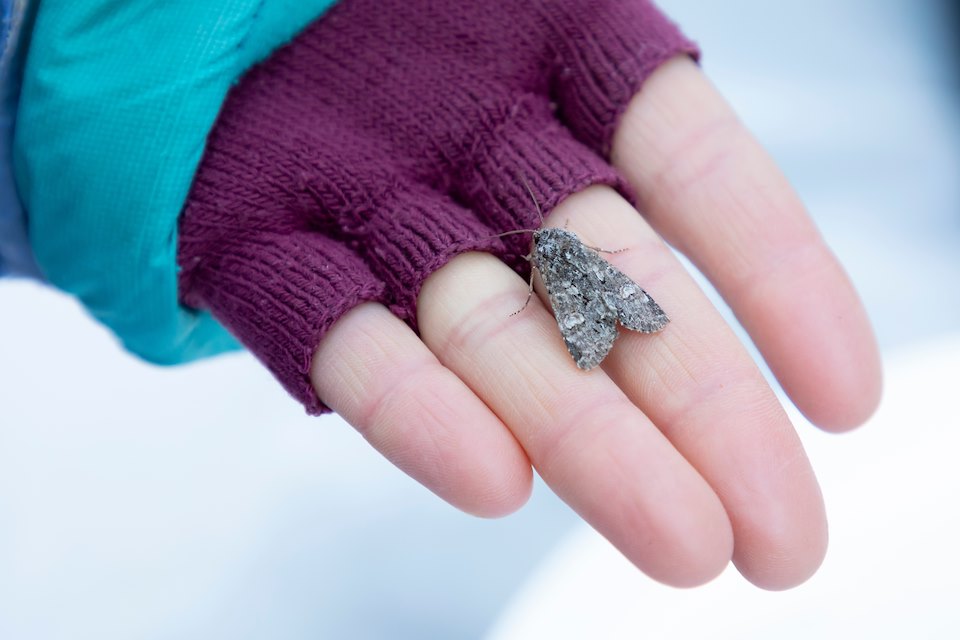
(677, 450)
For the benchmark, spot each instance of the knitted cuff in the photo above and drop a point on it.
(530, 161)
(391, 136)
(416, 235)
(278, 293)
(603, 62)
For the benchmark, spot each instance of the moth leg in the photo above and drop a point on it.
(566, 223)
(599, 250)
(529, 292)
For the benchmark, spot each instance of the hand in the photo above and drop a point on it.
(677, 450)
(371, 160)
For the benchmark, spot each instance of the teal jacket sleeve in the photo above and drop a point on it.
(118, 97)
(16, 258)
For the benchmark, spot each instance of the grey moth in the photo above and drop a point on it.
(589, 296)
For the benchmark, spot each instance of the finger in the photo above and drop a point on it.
(709, 188)
(374, 371)
(700, 387)
(586, 439)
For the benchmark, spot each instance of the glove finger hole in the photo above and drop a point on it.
(531, 154)
(604, 54)
(278, 294)
(417, 234)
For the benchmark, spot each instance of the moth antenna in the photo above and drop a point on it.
(511, 233)
(539, 214)
(534, 198)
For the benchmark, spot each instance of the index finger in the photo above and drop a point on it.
(710, 190)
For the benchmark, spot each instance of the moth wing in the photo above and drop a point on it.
(636, 310)
(587, 323)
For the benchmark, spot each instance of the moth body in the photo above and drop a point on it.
(589, 296)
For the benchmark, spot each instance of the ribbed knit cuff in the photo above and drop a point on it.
(529, 161)
(279, 294)
(605, 58)
(416, 235)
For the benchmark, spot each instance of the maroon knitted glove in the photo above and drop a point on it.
(392, 135)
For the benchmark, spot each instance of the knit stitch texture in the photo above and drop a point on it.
(391, 136)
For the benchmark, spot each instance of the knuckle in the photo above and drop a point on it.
(392, 388)
(697, 155)
(487, 320)
(576, 429)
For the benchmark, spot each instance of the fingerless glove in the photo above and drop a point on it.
(392, 135)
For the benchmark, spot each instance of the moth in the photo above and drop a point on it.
(588, 295)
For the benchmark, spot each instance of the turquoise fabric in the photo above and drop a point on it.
(16, 20)
(118, 97)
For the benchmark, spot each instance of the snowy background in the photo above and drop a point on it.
(138, 502)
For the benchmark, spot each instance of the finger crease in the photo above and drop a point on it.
(699, 154)
(393, 380)
(481, 325)
(567, 429)
(805, 251)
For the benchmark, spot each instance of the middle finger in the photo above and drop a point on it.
(699, 385)
(587, 440)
